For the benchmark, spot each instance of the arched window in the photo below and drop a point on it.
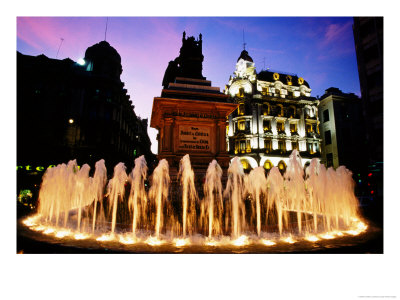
(280, 110)
(291, 112)
(282, 167)
(266, 109)
(245, 164)
(268, 165)
(241, 92)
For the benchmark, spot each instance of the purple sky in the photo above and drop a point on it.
(319, 49)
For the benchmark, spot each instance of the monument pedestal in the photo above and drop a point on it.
(194, 127)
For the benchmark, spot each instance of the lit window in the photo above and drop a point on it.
(245, 164)
(292, 112)
(265, 109)
(268, 165)
(282, 166)
(242, 146)
(289, 79)
(267, 125)
(241, 124)
(280, 126)
(293, 127)
(241, 109)
(241, 92)
(280, 110)
(310, 148)
(248, 147)
(268, 145)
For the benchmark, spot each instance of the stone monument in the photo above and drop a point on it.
(191, 114)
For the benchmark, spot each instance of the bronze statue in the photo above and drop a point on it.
(189, 63)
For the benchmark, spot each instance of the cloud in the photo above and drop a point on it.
(337, 32)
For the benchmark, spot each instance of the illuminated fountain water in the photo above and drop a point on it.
(138, 198)
(212, 206)
(254, 208)
(189, 195)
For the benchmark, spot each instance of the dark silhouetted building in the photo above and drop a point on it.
(368, 38)
(76, 110)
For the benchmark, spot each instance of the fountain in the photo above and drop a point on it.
(254, 213)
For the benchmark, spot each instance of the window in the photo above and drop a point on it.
(329, 159)
(326, 115)
(291, 112)
(328, 138)
(248, 147)
(265, 90)
(265, 109)
(268, 165)
(242, 146)
(247, 125)
(241, 109)
(295, 145)
(267, 125)
(241, 124)
(293, 127)
(280, 126)
(245, 164)
(282, 146)
(282, 167)
(309, 128)
(268, 146)
(310, 148)
(279, 108)
(241, 92)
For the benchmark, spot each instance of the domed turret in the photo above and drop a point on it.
(102, 59)
(245, 56)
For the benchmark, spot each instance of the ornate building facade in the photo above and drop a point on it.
(276, 115)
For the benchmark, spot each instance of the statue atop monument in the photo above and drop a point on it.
(189, 63)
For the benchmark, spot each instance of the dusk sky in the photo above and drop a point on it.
(319, 49)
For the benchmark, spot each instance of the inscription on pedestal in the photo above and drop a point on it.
(194, 138)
